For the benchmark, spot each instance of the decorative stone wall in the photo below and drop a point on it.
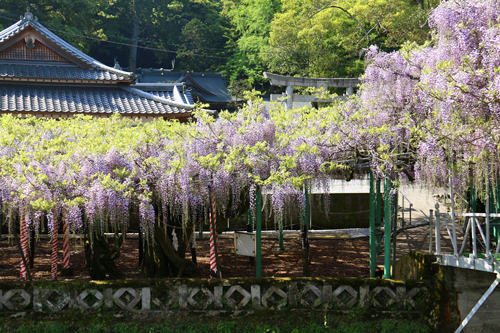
(213, 295)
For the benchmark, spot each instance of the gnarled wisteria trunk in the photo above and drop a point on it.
(165, 248)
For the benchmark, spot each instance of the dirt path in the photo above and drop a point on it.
(330, 257)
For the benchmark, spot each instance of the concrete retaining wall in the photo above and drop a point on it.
(469, 286)
(347, 210)
(453, 293)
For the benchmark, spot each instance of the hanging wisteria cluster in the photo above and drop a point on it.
(445, 95)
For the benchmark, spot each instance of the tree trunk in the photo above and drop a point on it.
(162, 260)
(306, 252)
(136, 26)
(100, 258)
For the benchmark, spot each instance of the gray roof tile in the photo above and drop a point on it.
(86, 99)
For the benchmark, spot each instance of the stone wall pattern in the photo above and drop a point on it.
(223, 296)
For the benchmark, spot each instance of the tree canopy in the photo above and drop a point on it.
(239, 37)
(326, 38)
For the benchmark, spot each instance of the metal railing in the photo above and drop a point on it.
(473, 227)
(480, 257)
(478, 233)
(403, 208)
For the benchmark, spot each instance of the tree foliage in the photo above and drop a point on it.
(243, 38)
(323, 38)
(248, 36)
(190, 31)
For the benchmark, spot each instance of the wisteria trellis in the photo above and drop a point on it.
(92, 170)
(439, 102)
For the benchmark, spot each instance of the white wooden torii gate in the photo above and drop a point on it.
(290, 81)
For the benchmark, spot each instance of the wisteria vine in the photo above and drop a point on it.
(434, 106)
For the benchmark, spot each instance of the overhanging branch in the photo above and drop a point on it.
(351, 16)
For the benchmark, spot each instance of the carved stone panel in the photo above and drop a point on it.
(345, 297)
(274, 298)
(126, 298)
(237, 297)
(15, 299)
(91, 299)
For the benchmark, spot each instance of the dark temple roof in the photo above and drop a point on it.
(208, 87)
(42, 74)
(164, 90)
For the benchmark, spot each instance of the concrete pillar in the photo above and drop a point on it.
(322, 86)
(350, 91)
(289, 94)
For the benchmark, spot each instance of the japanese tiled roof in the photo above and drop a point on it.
(44, 72)
(164, 90)
(99, 69)
(87, 99)
(66, 80)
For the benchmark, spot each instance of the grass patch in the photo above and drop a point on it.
(280, 323)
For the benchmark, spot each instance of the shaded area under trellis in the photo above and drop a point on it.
(330, 257)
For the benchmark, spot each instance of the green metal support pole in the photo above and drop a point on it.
(306, 251)
(306, 215)
(373, 240)
(258, 227)
(494, 209)
(0, 222)
(378, 215)
(496, 229)
(281, 246)
(497, 203)
(387, 227)
(473, 207)
(394, 219)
